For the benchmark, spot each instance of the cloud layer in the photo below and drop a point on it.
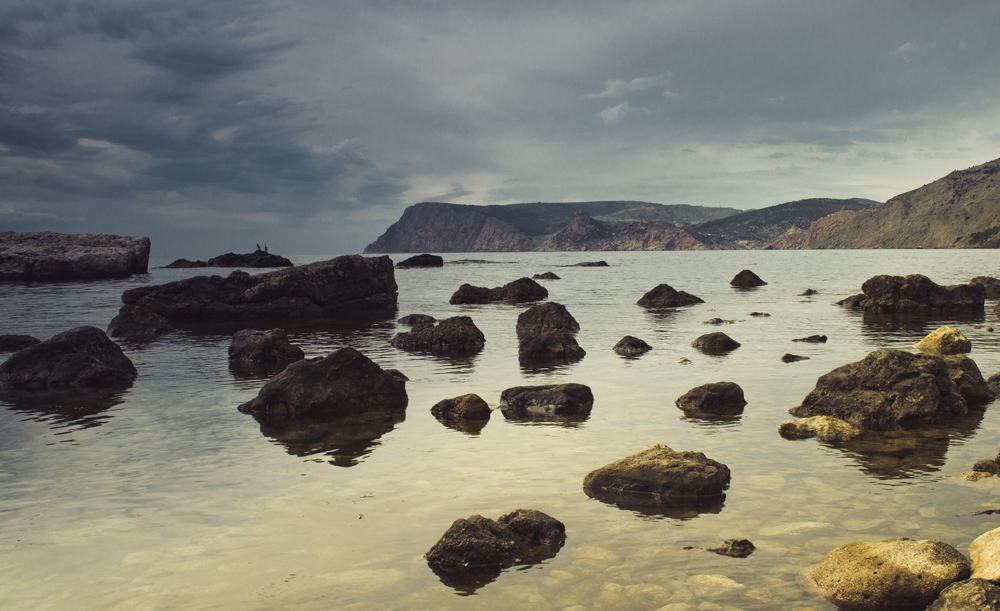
(310, 125)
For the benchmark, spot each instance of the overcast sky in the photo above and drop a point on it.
(310, 125)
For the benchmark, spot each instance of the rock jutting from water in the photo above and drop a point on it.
(915, 293)
(546, 402)
(812, 339)
(83, 357)
(545, 335)
(465, 407)
(944, 340)
(344, 383)
(522, 290)
(256, 348)
(417, 319)
(793, 358)
(823, 428)
(894, 574)
(546, 276)
(734, 548)
(251, 260)
(665, 296)
(424, 260)
(717, 398)
(456, 336)
(631, 347)
(325, 289)
(13, 342)
(746, 279)
(48, 256)
(717, 343)
(138, 324)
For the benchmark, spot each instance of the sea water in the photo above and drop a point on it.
(164, 496)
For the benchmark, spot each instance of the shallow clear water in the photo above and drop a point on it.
(165, 496)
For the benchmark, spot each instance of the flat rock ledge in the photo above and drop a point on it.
(915, 293)
(83, 357)
(522, 290)
(252, 260)
(47, 256)
(891, 575)
(547, 402)
(457, 336)
(666, 296)
(424, 260)
(716, 398)
(325, 289)
(344, 383)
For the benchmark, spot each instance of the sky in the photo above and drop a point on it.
(211, 126)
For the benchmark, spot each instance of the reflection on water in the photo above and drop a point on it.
(654, 506)
(343, 441)
(877, 327)
(68, 409)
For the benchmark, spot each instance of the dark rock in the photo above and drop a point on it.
(715, 343)
(417, 319)
(546, 318)
(966, 375)
(895, 574)
(13, 343)
(466, 407)
(759, 314)
(812, 339)
(83, 357)
(47, 256)
(552, 348)
(662, 476)
(457, 335)
(318, 290)
(916, 293)
(808, 293)
(535, 529)
(886, 389)
(665, 296)
(713, 398)
(591, 264)
(718, 321)
(746, 279)
(736, 548)
(993, 384)
(345, 383)
(990, 284)
(251, 347)
(138, 324)
(547, 401)
(468, 294)
(475, 541)
(793, 358)
(987, 465)
(968, 595)
(251, 260)
(424, 260)
(522, 290)
(631, 346)
(546, 276)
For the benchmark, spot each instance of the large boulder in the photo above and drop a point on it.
(14, 342)
(522, 290)
(823, 428)
(631, 346)
(465, 407)
(424, 260)
(319, 290)
(545, 335)
(715, 343)
(47, 256)
(256, 348)
(968, 595)
(83, 357)
(885, 389)
(719, 398)
(944, 340)
(895, 574)
(251, 260)
(344, 383)
(546, 401)
(545, 318)
(966, 375)
(916, 293)
(985, 554)
(457, 335)
(138, 324)
(661, 476)
(665, 296)
(746, 279)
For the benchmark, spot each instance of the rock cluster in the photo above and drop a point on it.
(915, 293)
(522, 290)
(545, 335)
(665, 296)
(47, 256)
(456, 336)
(83, 357)
(252, 260)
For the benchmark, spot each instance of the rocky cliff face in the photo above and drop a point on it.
(961, 210)
(434, 227)
(585, 233)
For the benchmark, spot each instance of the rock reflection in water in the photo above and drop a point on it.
(712, 420)
(76, 408)
(876, 327)
(904, 454)
(655, 506)
(344, 440)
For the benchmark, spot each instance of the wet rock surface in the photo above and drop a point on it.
(457, 335)
(251, 260)
(714, 398)
(916, 293)
(325, 289)
(894, 574)
(944, 340)
(631, 346)
(985, 554)
(547, 401)
(135, 323)
(665, 296)
(83, 357)
(966, 375)
(256, 348)
(14, 342)
(734, 548)
(424, 260)
(48, 256)
(716, 343)
(746, 279)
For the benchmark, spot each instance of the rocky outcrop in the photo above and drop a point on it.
(256, 260)
(885, 389)
(14, 342)
(631, 347)
(547, 402)
(746, 279)
(546, 318)
(83, 357)
(665, 296)
(457, 336)
(660, 476)
(916, 293)
(256, 348)
(424, 260)
(717, 398)
(545, 334)
(138, 324)
(522, 290)
(344, 383)
(47, 256)
(895, 574)
(325, 289)
(716, 343)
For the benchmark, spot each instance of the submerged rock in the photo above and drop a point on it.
(746, 279)
(808, 293)
(83, 357)
(895, 574)
(47, 256)
(716, 398)
(793, 358)
(424, 260)
(944, 340)
(631, 346)
(812, 339)
(916, 293)
(985, 554)
(457, 335)
(138, 324)
(344, 383)
(13, 343)
(254, 348)
(735, 548)
(823, 428)
(665, 296)
(546, 401)
(715, 343)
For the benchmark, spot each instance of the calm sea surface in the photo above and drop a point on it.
(166, 497)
